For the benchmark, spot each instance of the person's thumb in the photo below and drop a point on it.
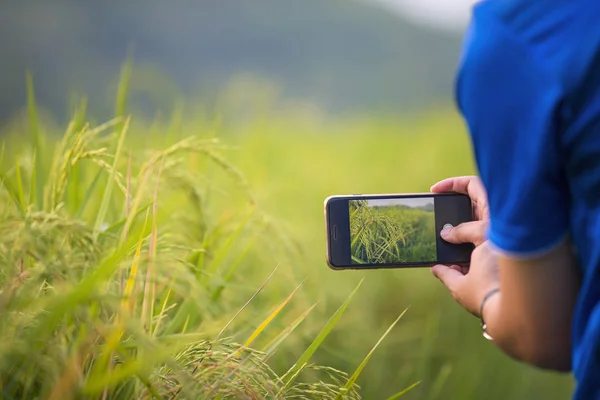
(467, 232)
(450, 277)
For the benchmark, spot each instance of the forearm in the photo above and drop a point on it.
(527, 340)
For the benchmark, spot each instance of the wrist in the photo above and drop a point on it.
(486, 310)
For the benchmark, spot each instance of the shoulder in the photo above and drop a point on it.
(557, 39)
(501, 71)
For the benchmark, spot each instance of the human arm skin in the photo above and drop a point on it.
(530, 317)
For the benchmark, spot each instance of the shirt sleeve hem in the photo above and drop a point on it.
(513, 252)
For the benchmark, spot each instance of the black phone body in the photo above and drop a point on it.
(395, 230)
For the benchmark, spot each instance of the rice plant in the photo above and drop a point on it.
(113, 270)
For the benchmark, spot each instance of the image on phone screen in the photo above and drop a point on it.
(387, 231)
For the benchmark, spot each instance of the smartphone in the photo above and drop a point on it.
(395, 230)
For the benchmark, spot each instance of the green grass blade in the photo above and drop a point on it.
(225, 249)
(123, 88)
(32, 110)
(89, 193)
(127, 300)
(111, 181)
(32, 180)
(440, 381)
(134, 204)
(308, 353)
(357, 237)
(177, 323)
(73, 198)
(274, 344)
(247, 302)
(37, 139)
(233, 268)
(20, 191)
(358, 260)
(429, 336)
(80, 114)
(12, 192)
(119, 224)
(271, 316)
(162, 314)
(403, 392)
(364, 362)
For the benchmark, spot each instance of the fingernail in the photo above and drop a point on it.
(445, 232)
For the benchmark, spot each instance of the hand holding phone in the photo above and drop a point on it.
(395, 230)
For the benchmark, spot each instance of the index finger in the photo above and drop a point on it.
(469, 185)
(450, 277)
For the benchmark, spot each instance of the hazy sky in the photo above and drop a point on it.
(414, 202)
(442, 14)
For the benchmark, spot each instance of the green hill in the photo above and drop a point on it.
(343, 55)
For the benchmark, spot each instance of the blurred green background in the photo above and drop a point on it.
(313, 98)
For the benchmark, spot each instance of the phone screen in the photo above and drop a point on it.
(388, 231)
(403, 230)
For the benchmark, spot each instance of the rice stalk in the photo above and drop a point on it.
(81, 316)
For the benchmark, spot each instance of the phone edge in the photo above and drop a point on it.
(368, 266)
(327, 235)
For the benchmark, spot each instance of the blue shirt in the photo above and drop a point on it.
(529, 90)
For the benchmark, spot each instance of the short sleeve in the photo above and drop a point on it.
(509, 100)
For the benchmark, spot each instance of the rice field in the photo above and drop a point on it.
(184, 257)
(391, 234)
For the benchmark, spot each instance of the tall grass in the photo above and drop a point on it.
(120, 273)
